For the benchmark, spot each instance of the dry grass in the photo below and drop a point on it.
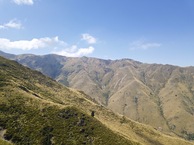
(38, 88)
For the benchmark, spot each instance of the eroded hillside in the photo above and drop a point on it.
(158, 95)
(34, 109)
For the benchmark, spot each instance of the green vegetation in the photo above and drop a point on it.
(117, 84)
(26, 124)
(35, 109)
(3, 142)
(189, 136)
(31, 113)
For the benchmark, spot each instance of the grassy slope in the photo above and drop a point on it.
(30, 119)
(35, 109)
(133, 89)
(142, 92)
(3, 142)
(27, 124)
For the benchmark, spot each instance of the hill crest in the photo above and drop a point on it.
(142, 92)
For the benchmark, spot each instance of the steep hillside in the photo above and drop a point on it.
(158, 95)
(31, 114)
(37, 110)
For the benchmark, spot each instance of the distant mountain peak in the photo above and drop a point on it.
(165, 92)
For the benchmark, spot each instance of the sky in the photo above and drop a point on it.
(150, 31)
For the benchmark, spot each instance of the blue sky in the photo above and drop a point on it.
(150, 31)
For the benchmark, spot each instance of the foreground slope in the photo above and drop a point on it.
(158, 95)
(30, 114)
(37, 110)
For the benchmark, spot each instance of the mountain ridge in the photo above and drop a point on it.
(142, 92)
(35, 109)
(12, 56)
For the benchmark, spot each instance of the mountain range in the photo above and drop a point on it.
(154, 94)
(34, 109)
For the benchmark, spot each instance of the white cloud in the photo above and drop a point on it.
(24, 2)
(2, 27)
(88, 38)
(31, 44)
(59, 46)
(144, 45)
(74, 51)
(14, 24)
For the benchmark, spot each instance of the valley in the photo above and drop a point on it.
(153, 94)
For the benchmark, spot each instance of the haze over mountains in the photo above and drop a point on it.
(158, 95)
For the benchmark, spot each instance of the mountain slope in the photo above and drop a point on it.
(31, 114)
(142, 92)
(37, 110)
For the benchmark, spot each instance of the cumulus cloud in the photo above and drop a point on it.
(60, 47)
(74, 51)
(88, 38)
(143, 45)
(31, 44)
(24, 2)
(14, 24)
